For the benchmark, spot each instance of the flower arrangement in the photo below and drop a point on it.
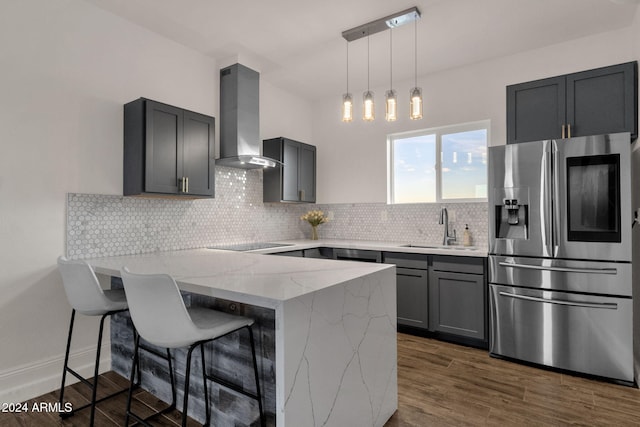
(315, 218)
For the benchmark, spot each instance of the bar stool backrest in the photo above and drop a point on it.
(158, 310)
(82, 287)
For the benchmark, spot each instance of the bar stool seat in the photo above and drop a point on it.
(161, 317)
(87, 297)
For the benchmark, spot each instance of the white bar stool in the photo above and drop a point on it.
(162, 319)
(87, 297)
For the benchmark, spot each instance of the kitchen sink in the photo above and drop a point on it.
(451, 247)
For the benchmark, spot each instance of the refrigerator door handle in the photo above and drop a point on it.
(555, 203)
(560, 269)
(546, 199)
(605, 305)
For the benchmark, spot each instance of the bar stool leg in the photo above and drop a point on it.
(207, 405)
(94, 392)
(134, 363)
(263, 421)
(173, 381)
(66, 364)
(187, 376)
(136, 371)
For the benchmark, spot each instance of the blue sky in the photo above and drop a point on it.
(464, 167)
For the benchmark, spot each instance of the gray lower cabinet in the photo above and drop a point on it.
(299, 254)
(458, 296)
(324, 253)
(412, 284)
(442, 296)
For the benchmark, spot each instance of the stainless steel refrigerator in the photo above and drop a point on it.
(560, 263)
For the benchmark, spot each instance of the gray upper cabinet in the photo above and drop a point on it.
(536, 110)
(167, 151)
(458, 297)
(593, 102)
(295, 180)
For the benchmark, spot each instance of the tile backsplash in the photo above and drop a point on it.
(107, 225)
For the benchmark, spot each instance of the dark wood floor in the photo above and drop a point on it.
(439, 384)
(445, 384)
(109, 413)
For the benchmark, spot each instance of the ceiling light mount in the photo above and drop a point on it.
(382, 24)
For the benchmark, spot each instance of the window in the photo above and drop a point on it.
(446, 164)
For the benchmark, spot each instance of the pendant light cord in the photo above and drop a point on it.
(390, 58)
(415, 56)
(368, 60)
(347, 67)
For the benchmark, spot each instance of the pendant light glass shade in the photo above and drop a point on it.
(347, 107)
(368, 111)
(368, 106)
(415, 94)
(347, 99)
(415, 107)
(391, 102)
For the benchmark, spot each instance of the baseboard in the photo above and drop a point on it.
(35, 379)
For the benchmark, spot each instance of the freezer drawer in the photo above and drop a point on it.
(582, 333)
(594, 277)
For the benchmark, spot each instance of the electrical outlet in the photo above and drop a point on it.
(384, 216)
(452, 216)
(330, 215)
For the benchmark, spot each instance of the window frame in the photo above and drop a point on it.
(438, 132)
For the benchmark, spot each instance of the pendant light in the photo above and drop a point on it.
(391, 100)
(368, 107)
(347, 99)
(415, 94)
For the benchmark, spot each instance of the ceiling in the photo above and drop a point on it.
(297, 44)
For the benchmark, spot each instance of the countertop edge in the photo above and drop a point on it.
(294, 245)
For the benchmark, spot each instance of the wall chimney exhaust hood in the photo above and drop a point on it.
(240, 119)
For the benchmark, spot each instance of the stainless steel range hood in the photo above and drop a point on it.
(240, 119)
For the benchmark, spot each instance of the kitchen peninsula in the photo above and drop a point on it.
(327, 331)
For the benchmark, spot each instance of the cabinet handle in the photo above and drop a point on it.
(182, 184)
(187, 184)
(563, 131)
(301, 195)
(559, 269)
(569, 130)
(607, 305)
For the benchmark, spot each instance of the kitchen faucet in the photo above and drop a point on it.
(444, 219)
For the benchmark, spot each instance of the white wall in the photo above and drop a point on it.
(284, 114)
(67, 69)
(352, 157)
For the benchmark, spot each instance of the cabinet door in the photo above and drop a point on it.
(307, 173)
(603, 100)
(290, 156)
(163, 159)
(198, 155)
(536, 110)
(412, 297)
(457, 304)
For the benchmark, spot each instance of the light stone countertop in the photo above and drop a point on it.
(251, 278)
(248, 278)
(418, 248)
